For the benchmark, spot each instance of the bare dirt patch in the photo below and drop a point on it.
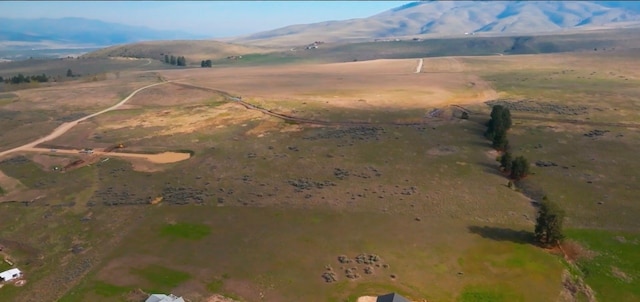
(182, 120)
(367, 299)
(574, 251)
(142, 165)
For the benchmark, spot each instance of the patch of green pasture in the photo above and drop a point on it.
(477, 293)
(109, 290)
(544, 84)
(162, 278)
(594, 177)
(185, 230)
(614, 270)
(511, 268)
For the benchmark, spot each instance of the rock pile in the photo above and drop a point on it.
(307, 184)
(541, 163)
(596, 132)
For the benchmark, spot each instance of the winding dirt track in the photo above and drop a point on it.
(62, 129)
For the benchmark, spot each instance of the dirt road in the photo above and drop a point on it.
(62, 129)
(419, 68)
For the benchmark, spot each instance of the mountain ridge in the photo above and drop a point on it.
(450, 18)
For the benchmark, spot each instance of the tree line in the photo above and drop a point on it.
(550, 216)
(20, 78)
(173, 60)
(206, 63)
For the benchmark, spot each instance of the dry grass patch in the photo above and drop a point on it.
(383, 84)
(175, 95)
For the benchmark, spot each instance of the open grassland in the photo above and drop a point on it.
(193, 50)
(83, 67)
(265, 207)
(33, 113)
(323, 90)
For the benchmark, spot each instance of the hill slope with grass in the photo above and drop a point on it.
(193, 50)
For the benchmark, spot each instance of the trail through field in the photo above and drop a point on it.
(62, 129)
(419, 68)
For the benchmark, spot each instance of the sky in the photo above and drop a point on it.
(209, 18)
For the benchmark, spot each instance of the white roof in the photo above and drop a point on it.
(9, 273)
(164, 298)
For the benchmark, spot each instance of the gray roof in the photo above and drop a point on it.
(392, 297)
(164, 298)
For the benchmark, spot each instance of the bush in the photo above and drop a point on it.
(549, 222)
(519, 168)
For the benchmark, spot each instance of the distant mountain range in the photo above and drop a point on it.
(65, 32)
(424, 19)
(451, 18)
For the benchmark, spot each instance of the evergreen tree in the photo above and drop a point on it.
(166, 59)
(69, 73)
(548, 228)
(500, 141)
(208, 63)
(1, 79)
(202, 63)
(519, 168)
(506, 161)
(182, 61)
(500, 122)
(172, 61)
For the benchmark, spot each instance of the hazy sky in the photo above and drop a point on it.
(211, 18)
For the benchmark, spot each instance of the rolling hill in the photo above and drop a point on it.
(455, 18)
(193, 50)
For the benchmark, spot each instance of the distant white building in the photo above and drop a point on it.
(11, 274)
(164, 298)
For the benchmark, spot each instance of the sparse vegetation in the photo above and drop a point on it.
(186, 231)
(257, 184)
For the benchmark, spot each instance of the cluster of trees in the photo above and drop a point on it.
(206, 63)
(550, 217)
(173, 60)
(497, 127)
(20, 78)
(517, 168)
